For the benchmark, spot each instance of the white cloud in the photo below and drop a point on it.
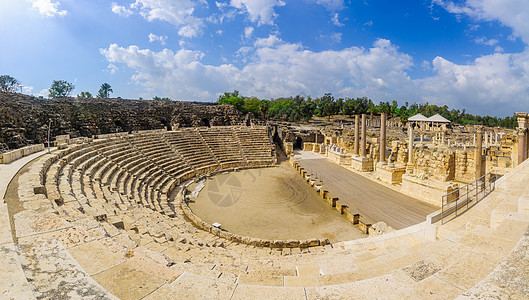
(43, 93)
(248, 31)
(121, 10)
(485, 41)
(425, 65)
(275, 69)
(331, 5)
(28, 90)
(155, 38)
(498, 82)
(335, 37)
(221, 5)
(48, 8)
(260, 11)
(511, 13)
(270, 41)
(219, 32)
(498, 49)
(178, 13)
(336, 20)
(111, 68)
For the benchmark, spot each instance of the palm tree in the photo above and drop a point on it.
(104, 91)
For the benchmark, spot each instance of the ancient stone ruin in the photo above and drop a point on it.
(106, 213)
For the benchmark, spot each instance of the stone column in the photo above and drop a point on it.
(442, 138)
(364, 136)
(496, 138)
(522, 136)
(521, 145)
(357, 134)
(486, 139)
(479, 151)
(382, 154)
(410, 144)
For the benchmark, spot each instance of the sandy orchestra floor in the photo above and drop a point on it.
(270, 203)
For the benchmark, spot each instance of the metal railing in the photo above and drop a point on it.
(460, 200)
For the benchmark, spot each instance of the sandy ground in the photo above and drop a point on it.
(270, 203)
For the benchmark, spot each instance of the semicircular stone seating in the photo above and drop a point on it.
(100, 220)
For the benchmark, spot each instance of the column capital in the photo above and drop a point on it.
(521, 131)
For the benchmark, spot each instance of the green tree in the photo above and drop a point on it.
(263, 107)
(327, 106)
(8, 83)
(104, 91)
(87, 95)
(252, 105)
(156, 98)
(60, 88)
(307, 109)
(233, 99)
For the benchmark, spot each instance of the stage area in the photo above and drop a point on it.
(369, 198)
(270, 203)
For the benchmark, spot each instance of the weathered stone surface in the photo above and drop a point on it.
(509, 279)
(5, 227)
(268, 292)
(94, 257)
(191, 286)
(127, 282)
(27, 225)
(13, 283)
(54, 273)
(421, 270)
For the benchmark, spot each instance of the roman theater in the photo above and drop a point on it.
(157, 200)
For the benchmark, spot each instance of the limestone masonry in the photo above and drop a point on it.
(105, 214)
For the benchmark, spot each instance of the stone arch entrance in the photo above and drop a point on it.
(298, 143)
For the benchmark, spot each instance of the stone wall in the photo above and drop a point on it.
(435, 164)
(12, 155)
(465, 166)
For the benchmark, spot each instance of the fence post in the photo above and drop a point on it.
(443, 209)
(477, 191)
(467, 196)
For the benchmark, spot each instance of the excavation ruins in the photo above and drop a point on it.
(197, 201)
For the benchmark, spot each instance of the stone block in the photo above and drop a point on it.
(362, 164)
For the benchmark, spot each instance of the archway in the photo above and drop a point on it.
(298, 143)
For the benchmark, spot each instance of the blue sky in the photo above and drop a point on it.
(469, 54)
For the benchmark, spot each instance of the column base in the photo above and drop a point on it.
(362, 164)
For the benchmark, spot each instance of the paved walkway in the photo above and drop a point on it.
(13, 282)
(8, 171)
(372, 200)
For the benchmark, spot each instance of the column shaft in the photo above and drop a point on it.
(410, 144)
(357, 134)
(479, 152)
(383, 138)
(521, 145)
(363, 147)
